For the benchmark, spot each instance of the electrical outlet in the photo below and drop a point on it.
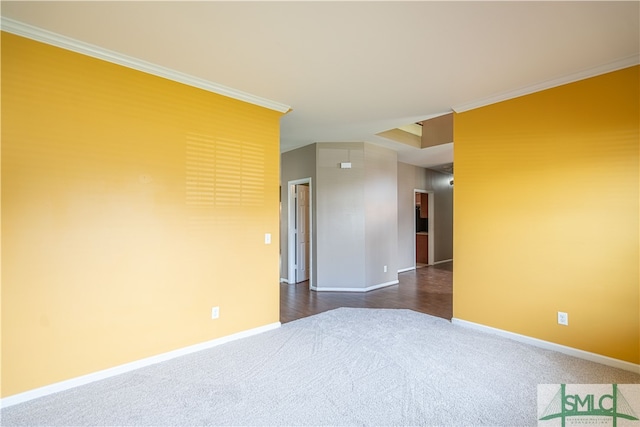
(215, 312)
(563, 318)
(385, 268)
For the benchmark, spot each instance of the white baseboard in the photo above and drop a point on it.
(283, 280)
(402, 270)
(593, 357)
(370, 288)
(382, 285)
(127, 367)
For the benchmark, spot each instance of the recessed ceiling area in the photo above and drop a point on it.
(410, 134)
(352, 71)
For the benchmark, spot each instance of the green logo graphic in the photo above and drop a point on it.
(612, 405)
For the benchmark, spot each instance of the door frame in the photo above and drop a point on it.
(431, 229)
(291, 233)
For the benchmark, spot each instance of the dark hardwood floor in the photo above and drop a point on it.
(427, 290)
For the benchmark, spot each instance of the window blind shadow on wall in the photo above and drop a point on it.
(222, 175)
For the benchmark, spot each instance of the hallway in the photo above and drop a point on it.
(428, 290)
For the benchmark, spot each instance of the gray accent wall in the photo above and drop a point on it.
(354, 213)
(340, 216)
(443, 192)
(412, 178)
(363, 217)
(381, 212)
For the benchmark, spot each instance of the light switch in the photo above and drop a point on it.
(267, 238)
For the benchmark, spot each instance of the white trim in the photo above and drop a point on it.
(586, 355)
(291, 266)
(283, 280)
(64, 42)
(370, 288)
(402, 270)
(291, 229)
(382, 285)
(127, 367)
(625, 62)
(353, 290)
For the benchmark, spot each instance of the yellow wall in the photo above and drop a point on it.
(130, 206)
(546, 215)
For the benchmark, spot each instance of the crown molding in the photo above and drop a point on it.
(64, 42)
(625, 62)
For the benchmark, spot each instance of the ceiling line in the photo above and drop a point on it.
(628, 61)
(38, 34)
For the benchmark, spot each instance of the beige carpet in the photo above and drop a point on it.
(348, 366)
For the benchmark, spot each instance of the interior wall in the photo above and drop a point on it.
(131, 205)
(443, 212)
(381, 213)
(410, 178)
(547, 213)
(340, 216)
(352, 211)
(295, 164)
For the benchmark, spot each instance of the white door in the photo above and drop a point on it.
(302, 233)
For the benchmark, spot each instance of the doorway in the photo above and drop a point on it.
(424, 228)
(300, 236)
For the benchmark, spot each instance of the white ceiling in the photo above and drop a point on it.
(350, 70)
